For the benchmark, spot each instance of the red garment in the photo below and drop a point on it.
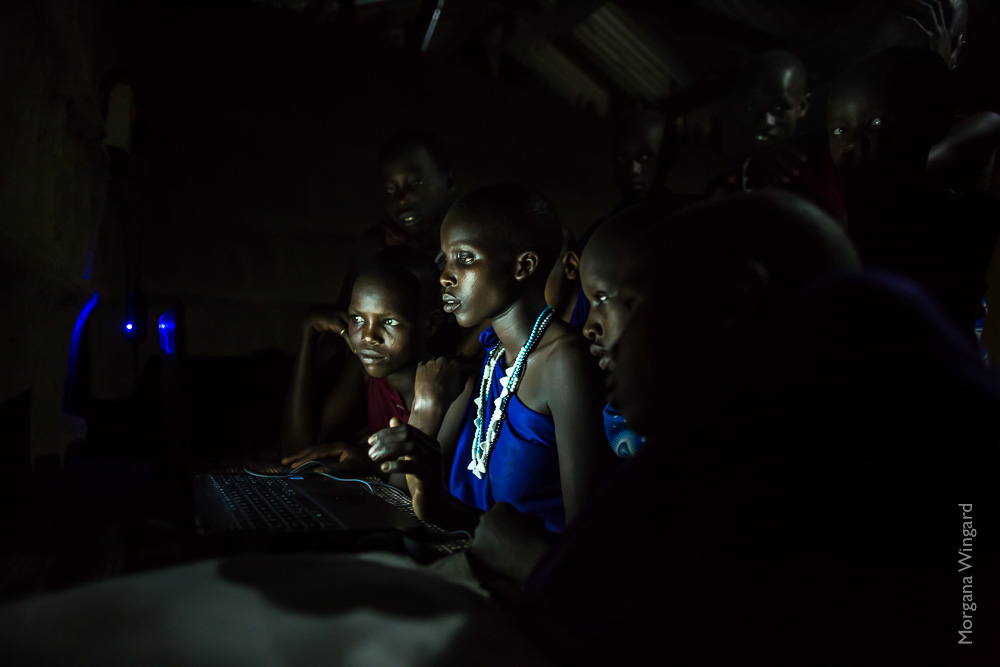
(384, 402)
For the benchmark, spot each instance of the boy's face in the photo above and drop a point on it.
(638, 157)
(667, 342)
(600, 272)
(384, 329)
(777, 102)
(874, 142)
(478, 276)
(416, 190)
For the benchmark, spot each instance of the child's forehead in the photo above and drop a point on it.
(416, 159)
(474, 229)
(382, 292)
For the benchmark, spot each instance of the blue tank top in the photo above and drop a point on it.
(523, 468)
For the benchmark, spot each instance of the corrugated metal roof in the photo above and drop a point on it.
(637, 63)
(630, 55)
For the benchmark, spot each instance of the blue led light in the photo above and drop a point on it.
(167, 325)
(128, 326)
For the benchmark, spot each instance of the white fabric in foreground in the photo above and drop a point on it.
(266, 610)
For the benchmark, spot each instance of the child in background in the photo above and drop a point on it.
(394, 308)
(526, 432)
(883, 117)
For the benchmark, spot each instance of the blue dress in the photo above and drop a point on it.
(523, 468)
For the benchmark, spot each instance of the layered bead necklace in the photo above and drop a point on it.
(486, 438)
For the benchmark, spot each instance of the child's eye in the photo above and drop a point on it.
(389, 190)
(876, 123)
(391, 322)
(357, 319)
(599, 298)
(465, 259)
(416, 184)
(837, 131)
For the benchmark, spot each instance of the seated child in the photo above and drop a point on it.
(394, 307)
(604, 260)
(527, 429)
(766, 370)
(883, 116)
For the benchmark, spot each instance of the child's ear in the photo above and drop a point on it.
(804, 107)
(527, 264)
(743, 292)
(571, 265)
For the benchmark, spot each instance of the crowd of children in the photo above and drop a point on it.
(769, 365)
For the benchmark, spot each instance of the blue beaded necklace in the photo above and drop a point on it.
(482, 447)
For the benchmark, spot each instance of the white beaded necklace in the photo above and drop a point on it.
(482, 447)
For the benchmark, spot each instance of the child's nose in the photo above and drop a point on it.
(369, 334)
(447, 278)
(592, 328)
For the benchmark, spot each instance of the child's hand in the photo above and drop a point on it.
(931, 21)
(338, 451)
(407, 450)
(440, 381)
(326, 319)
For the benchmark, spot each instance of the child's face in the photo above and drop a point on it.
(600, 272)
(383, 329)
(478, 276)
(416, 190)
(776, 105)
(666, 344)
(638, 157)
(873, 141)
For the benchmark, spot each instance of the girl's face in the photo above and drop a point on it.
(383, 329)
(478, 276)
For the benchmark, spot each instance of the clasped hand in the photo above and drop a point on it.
(404, 449)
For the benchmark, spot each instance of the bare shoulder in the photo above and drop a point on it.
(563, 348)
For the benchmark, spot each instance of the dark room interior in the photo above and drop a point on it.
(220, 159)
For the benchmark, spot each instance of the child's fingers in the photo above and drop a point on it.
(402, 466)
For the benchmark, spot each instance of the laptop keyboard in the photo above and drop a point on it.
(267, 503)
(272, 504)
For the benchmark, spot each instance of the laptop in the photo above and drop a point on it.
(303, 508)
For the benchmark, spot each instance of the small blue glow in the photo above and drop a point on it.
(295, 477)
(128, 326)
(167, 325)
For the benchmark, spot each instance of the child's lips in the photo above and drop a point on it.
(603, 358)
(409, 218)
(450, 304)
(370, 357)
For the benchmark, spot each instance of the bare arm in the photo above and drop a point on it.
(308, 418)
(964, 158)
(576, 401)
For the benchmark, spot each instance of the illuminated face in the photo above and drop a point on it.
(776, 105)
(600, 270)
(416, 191)
(638, 158)
(383, 327)
(478, 276)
